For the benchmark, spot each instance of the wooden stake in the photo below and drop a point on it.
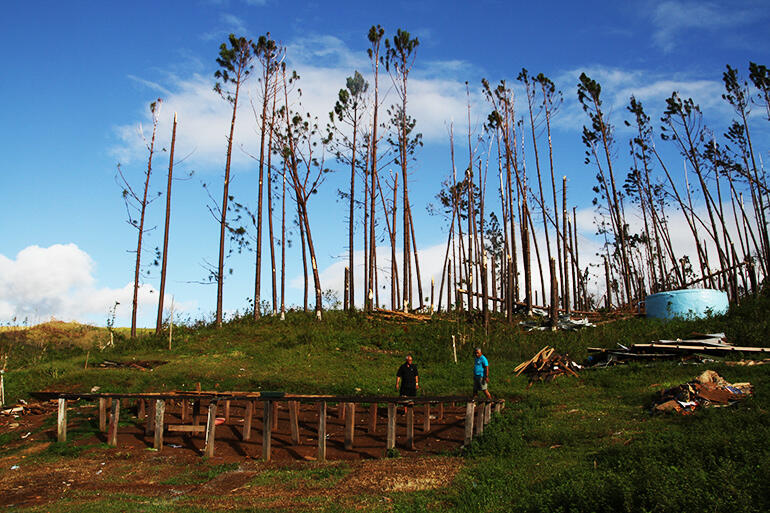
(267, 430)
(274, 416)
(440, 412)
(487, 413)
(103, 414)
(293, 422)
(322, 431)
(426, 420)
(454, 348)
(350, 425)
(112, 438)
(185, 410)
(410, 427)
(211, 426)
(372, 418)
(227, 411)
(61, 421)
(196, 412)
(160, 410)
(390, 442)
(469, 410)
(247, 420)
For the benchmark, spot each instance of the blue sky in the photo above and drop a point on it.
(78, 78)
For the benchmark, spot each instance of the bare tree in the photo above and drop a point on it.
(159, 321)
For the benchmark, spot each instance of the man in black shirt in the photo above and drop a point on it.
(407, 378)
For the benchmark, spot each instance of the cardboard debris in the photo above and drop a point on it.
(708, 389)
(547, 365)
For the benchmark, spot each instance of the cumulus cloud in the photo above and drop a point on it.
(58, 282)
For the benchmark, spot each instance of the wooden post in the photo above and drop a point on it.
(267, 430)
(350, 425)
(426, 420)
(478, 423)
(149, 425)
(440, 412)
(160, 410)
(391, 432)
(274, 415)
(293, 422)
(112, 438)
(487, 413)
(141, 413)
(554, 296)
(211, 425)
(196, 412)
(341, 410)
(247, 420)
(608, 299)
(346, 301)
(61, 421)
(322, 431)
(227, 411)
(469, 410)
(372, 418)
(103, 414)
(498, 407)
(410, 426)
(185, 411)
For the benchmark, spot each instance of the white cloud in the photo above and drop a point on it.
(678, 19)
(58, 282)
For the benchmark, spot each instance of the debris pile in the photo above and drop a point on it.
(24, 408)
(703, 343)
(547, 365)
(142, 366)
(565, 322)
(708, 389)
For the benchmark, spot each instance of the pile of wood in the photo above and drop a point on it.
(396, 315)
(547, 365)
(708, 389)
(704, 343)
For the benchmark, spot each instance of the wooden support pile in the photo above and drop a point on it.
(547, 365)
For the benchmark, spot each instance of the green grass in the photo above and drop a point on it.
(587, 444)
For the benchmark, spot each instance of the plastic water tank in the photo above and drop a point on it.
(687, 303)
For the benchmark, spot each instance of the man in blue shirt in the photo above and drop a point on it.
(480, 373)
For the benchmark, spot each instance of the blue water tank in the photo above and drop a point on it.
(687, 303)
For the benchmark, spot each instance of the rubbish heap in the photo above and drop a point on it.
(701, 343)
(547, 365)
(707, 390)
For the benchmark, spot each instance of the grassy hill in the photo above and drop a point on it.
(587, 444)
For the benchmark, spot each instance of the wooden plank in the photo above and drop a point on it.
(227, 411)
(391, 430)
(294, 422)
(470, 407)
(322, 431)
(410, 427)
(247, 418)
(426, 420)
(350, 424)
(112, 438)
(185, 428)
(160, 411)
(372, 418)
(478, 423)
(267, 430)
(211, 426)
(149, 425)
(683, 347)
(103, 414)
(61, 421)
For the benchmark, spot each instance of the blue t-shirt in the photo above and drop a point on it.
(479, 364)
